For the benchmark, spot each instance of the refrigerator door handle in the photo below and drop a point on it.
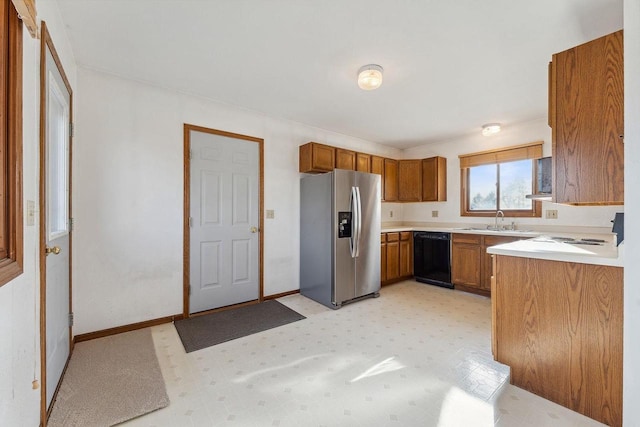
(358, 221)
(354, 227)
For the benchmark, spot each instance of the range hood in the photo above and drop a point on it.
(543, 180)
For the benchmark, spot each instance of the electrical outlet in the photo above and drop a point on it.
(270, 214)
(551, 214)
(434, 214)
(390, 214)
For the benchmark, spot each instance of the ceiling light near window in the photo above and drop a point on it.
(370, 77)
(490, 129)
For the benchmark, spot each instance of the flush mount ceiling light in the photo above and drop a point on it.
(370, 77)
(490, 129)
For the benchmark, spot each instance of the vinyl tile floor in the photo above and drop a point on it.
(418, 355)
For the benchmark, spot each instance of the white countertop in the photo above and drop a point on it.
(466, 230)
(539, 244)
(543, 247)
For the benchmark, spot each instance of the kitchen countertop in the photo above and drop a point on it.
(544, 247)
(539, 244)
(466, 230)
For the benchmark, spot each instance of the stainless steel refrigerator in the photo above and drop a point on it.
(339, 237)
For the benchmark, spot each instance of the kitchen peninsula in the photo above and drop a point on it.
(557, 322)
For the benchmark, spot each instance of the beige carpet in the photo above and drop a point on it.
(110, 380)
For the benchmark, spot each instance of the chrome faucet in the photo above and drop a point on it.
(499, 213)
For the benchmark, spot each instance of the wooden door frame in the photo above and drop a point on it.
(47, 43)
(186, 265)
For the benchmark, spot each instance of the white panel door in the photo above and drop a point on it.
(224, 211)
(56, 219)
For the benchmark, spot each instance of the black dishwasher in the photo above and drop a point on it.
(432, 258)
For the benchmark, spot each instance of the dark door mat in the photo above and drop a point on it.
(200, 332)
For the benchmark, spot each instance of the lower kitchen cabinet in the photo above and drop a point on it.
(466, 260)
(393, 256)
(396, 257)
(406, 254)
(558, 326)
(487, 267)
(471, 265)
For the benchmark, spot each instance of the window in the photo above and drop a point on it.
(499, 180)
(10, 143)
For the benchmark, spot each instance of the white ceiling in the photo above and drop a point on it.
(450, 65)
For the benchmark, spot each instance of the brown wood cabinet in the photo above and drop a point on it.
(393, 256)
(409, 180)
(316, 158)
(487, 264)
(345, 159)
(401, 181)
(466, 260)
(434, 179)
(471, 265)
(558, 326)
(363, 162)
(406, 254)
(586, 114)
(390, 189)
(396, 256)
(377, 166)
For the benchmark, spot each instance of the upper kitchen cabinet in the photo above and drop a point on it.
(390, 190)
(586, 117)
(434, 179)
(377, 166)
(363, 162)
(345, 159)
(316, 158)
(409, 180)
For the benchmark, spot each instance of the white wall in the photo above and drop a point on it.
(19, 299)
(631, 368)
(449, 211)
(128, 190)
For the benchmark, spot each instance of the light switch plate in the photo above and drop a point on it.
(31, 213)
(551, 214)
(434, 214)
(271, 214)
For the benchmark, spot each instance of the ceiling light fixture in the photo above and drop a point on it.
(370, 77)
(490, 129)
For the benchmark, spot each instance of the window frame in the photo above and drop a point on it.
(531, 151)
(11, 221)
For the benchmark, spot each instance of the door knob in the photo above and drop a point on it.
(54, 250)
(254, 229)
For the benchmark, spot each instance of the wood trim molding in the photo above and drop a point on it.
(282, 294)
(187, 128)
(532, 150)
(11, 142)
(126, 328)
(27, 13)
